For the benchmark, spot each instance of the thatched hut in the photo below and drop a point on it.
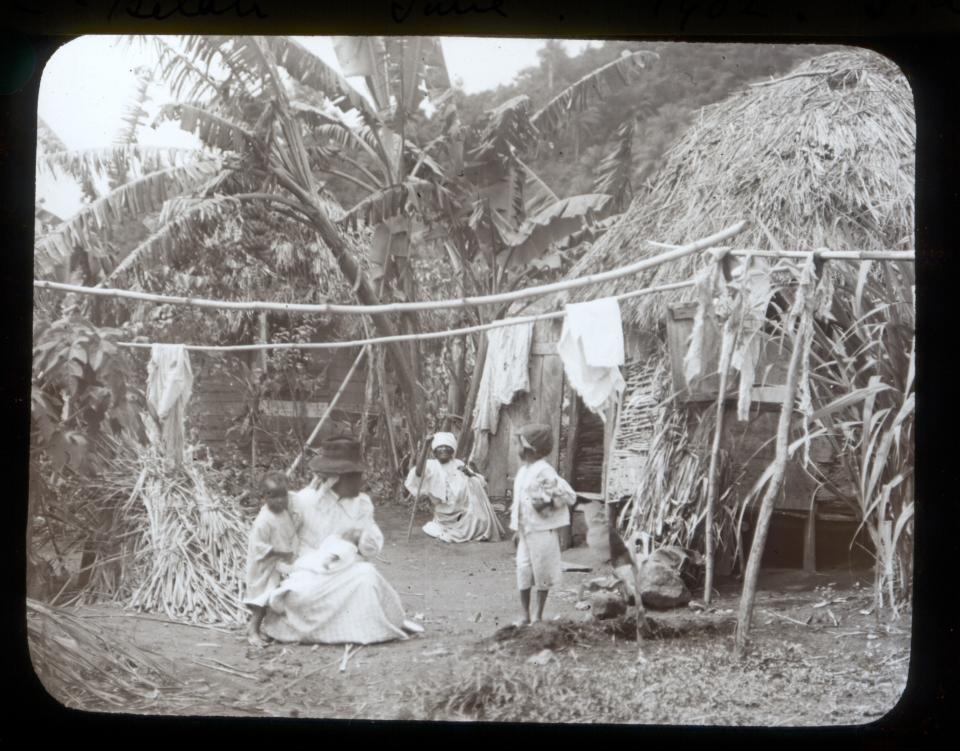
(821, 158)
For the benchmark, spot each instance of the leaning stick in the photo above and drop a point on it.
(749, 593)
(422, 474)
(726, 353)
(327, 412)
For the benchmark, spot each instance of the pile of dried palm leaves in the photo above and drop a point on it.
(170, 543)
(85, 669)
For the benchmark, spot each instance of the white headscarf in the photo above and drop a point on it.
(444, 439)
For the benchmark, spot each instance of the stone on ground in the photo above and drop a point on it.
(661, 587)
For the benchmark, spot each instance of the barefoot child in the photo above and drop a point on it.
(541, 501)
(273, 542)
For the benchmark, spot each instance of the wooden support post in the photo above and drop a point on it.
(810, 537)
(726, 353)
(566, 533)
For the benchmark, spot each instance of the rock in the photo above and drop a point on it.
(540, 658)
(605, 605)
(661, 587)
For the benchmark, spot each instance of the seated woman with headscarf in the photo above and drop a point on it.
(334, 594)
(461, 508)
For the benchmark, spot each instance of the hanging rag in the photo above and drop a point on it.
(506, 372)
(755, 294)
(591, 349)
(169, 385)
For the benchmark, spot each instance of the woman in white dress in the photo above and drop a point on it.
(346, 603)
(461, 508)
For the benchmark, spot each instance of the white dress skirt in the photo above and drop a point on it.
(349, 603)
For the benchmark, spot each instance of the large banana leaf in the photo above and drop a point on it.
(131, 159)
(507, 129)
(197, 218)
(554, 224)
(311, 71)
(366, 57)
(616, 168)
(215, 131)
(596, 85)
(142, 196)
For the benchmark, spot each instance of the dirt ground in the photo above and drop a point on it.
(817, 656)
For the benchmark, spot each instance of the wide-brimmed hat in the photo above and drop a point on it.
(338, 456)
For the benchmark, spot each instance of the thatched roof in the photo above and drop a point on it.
(823, 157)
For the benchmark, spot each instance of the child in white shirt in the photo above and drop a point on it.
(541, 507)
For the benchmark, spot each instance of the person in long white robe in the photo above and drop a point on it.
(461, 509)
(346, 604)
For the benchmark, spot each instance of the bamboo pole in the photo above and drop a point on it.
(384, 308)
(328, 410)
(749, 593)
(514, 321)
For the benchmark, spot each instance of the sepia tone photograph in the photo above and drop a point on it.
(473, 379)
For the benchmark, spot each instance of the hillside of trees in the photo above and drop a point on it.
(686, 78)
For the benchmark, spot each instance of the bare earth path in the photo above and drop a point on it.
(842, 668)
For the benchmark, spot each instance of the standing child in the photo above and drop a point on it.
(273, 543)
(541, 506)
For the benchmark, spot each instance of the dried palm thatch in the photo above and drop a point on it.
(84, 669)
(823, 157)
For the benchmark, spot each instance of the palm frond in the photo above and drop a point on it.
(213, 50)
(186, 79)
(132, 159)
(215, 131)
(506, 129)
(135, 115)
(418, 196)
(197, 218)
(594, 86)
(136, 198)
(616, 168)
(327, 126)
(311, 71)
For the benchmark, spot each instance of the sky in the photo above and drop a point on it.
(88, 83)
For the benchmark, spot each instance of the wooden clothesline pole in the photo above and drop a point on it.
(380, 309)
(328, 410)
(824, 255)
(514, 321)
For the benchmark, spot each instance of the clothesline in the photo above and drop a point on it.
(826, 255)
(464, 302)
(514, 321)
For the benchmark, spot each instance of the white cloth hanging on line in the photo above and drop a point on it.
(592, 351)
(169, 386)
(506, 372)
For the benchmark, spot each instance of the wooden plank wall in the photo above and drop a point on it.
(544, 403)
(218, 400)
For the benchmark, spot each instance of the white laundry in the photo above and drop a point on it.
(591, 349)
(169, 386)
(506, 372)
